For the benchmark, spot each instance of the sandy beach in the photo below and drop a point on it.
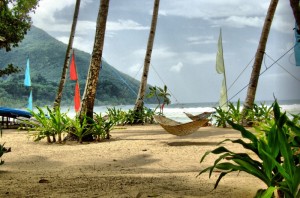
(138, 161)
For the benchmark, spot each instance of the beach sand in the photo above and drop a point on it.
(138, 161)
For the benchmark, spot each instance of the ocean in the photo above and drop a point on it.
(176, 111)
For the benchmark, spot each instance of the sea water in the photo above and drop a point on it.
(176, 111)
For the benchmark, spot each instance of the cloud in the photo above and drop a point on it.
(124, 25)
(160, 52)
(176, 68)
(240, 21)
(199, 58)
(213, 8)
(198, 40)
(231, 13)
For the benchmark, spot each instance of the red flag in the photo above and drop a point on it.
(73, 72)
(77, 98)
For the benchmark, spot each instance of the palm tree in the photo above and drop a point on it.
(87, 105)
(139, 104)
(296, 11)
(259, 58)
(67, 57)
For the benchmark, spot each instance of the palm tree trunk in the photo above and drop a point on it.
(296, 11)
(259, 58)
(141, 95)
(67, 57)
(87, 105)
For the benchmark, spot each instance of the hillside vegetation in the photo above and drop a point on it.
(46, 56)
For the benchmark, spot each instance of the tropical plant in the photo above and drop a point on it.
(278, 165)
(1, 153)
(120, 117)
(256, 115)
(221, 117)
(40, 125)
(160, 94)
(58, 122)
(80, 128)
(15, 21)
(102, 127)
(47, 125)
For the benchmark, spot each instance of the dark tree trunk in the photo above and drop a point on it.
(87, 105)
(296, 11)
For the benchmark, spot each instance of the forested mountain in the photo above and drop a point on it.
(46, 55)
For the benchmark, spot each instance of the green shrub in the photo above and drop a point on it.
(119, 117)
(254, 116)
(80, 127)
(276, 147)
(47, 125)
(101, 127)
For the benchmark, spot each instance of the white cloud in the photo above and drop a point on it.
(124, 25)
(196, 40)
(176, 68)
(199, 58)
(230, 13)
(213, 8)
(240, 21)
(158, 52)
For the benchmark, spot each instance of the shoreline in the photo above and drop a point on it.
(138, 161)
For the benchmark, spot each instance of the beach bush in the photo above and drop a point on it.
(256, 115)
(80, 128)
(1, 153)
(51, 124)
(162, 97)
(120, 117)
(47, 124)
(276, 147)
(102, 127)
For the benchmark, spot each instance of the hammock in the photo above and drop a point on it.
(200, 116)
(177, 128)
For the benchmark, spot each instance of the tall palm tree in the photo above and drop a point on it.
(249, 102)
(139, 104)
(67, 57)
(296, 11)
(87, 105)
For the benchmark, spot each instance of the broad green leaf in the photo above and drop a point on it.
(245, 133)
(269, 192)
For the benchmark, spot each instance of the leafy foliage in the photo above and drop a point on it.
(47, 124)
(120, 117)
(162, 97)
(46, 60)
(15, 21)
(259, 114)
(277, 149)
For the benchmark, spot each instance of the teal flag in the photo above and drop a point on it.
(297, 47)
(30, 101)
(27, 81)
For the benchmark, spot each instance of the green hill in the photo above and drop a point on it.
(46, 56)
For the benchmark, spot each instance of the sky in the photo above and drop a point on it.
(185, 45)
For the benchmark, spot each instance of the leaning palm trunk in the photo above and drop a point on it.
(141, 95)
(259, 58)
(67, 57)
(296, 11)
(87, 105)
(67, 60)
